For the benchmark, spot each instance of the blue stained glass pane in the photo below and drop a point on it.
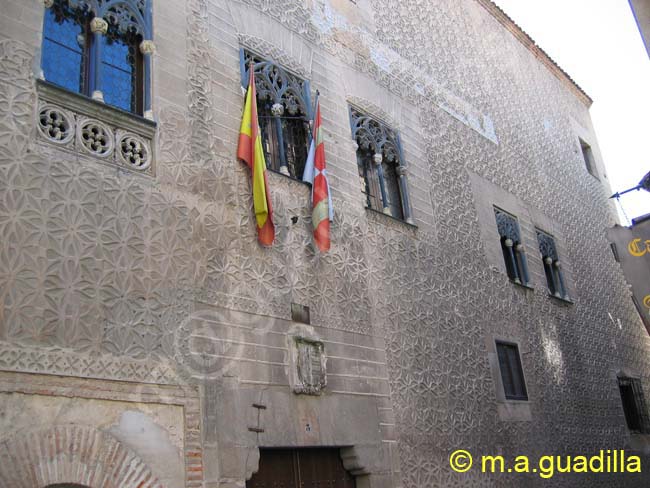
(118, 73)
(62, 59)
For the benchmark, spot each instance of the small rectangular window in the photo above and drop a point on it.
(588, 157)
(512, 373)
(634, 406)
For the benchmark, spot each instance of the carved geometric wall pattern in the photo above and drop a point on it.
(95, 262)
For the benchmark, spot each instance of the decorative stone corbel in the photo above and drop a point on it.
(277, 110)
(147, 47)
(98, 25)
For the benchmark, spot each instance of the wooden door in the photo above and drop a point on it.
(301, 468)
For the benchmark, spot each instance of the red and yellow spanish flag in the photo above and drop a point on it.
(316, 174)
(250, 151)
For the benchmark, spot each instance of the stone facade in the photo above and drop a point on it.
(136, 294)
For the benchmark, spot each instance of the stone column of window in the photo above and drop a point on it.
(147, 48)
(377, 158)
(402, 172)
(41, 74)
(524, 264)
(552, 270)
(560, 278)
(99, 28)
(511, 254)
(277, 110)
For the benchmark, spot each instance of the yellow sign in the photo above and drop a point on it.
(638, 248)
(646, 302)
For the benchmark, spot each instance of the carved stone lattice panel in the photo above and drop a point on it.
(375, 136)
(95, 130)
(547, 246)
(275, 83)
(507, 226)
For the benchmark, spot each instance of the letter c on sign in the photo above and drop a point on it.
(637, 250)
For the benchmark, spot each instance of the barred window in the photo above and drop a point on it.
(552, 269)
(512, 373)
(381, 165)
(284, 112)
(100, 49)
(634, 405)
(512, 247)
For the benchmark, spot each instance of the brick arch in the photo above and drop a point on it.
(71, 455)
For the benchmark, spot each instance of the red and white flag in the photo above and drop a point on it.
(315, 173)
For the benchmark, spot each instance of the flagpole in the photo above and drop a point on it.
(313, 120)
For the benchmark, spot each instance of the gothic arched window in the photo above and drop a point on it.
(284, 112)
(101, 49)
(381, 166)
(512, 247)
(552, 270)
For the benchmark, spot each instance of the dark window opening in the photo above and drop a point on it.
(291, 132)
(512, 374)
(588, 157)
(634, 406)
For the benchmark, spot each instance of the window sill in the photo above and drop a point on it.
(514, 410)
(525, 286)
(117, 137)
(372, 211)
(289, 177)
(517, 401)
(566, 301)
(94, 108)
(596, 177)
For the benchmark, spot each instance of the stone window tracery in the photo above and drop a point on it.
(284, 112)
(552, 269)
(101, 49)
(381, 166)
(514, 254)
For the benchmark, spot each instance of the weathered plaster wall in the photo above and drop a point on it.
(105, 274)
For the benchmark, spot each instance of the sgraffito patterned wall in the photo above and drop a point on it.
(100, 267)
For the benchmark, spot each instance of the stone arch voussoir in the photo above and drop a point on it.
(71, 454)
